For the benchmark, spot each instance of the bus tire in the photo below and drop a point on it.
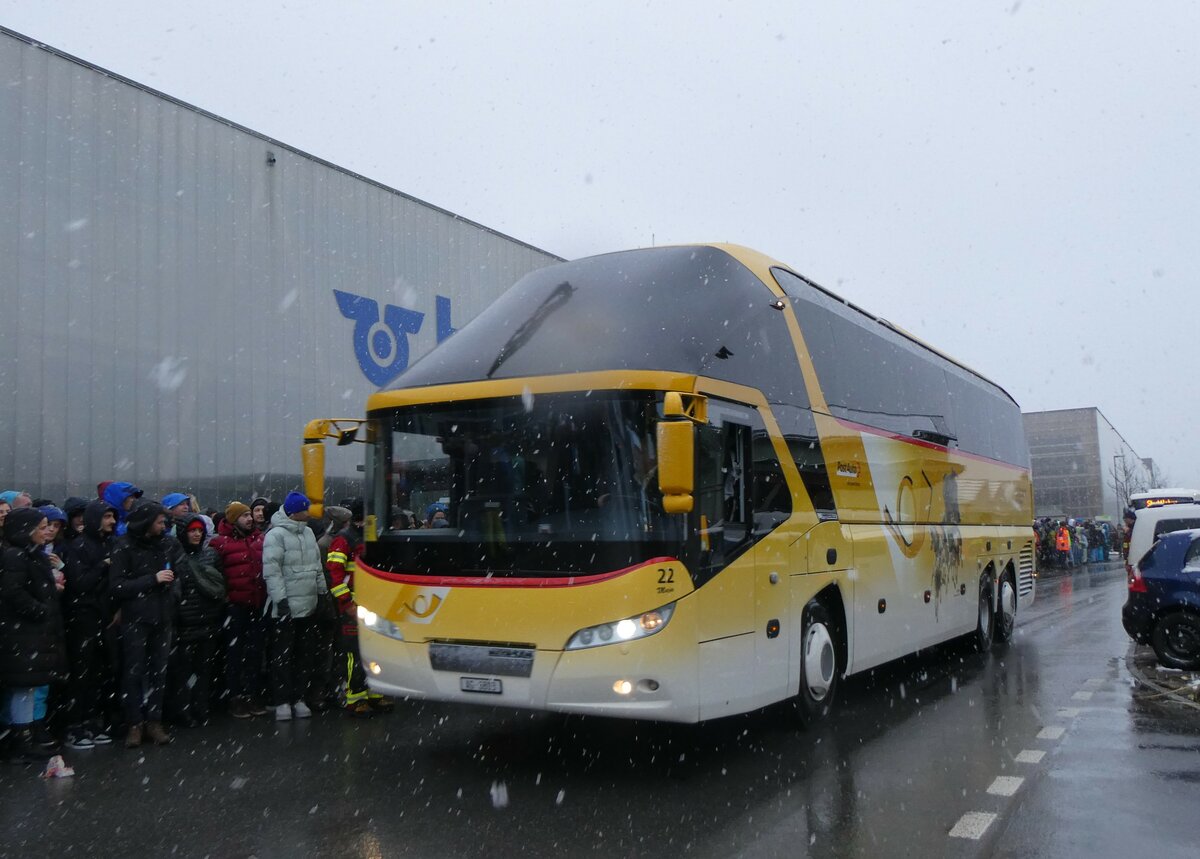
(985, 625)
(819, 667)
(1006, 609)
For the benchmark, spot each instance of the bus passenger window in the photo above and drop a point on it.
(772, 498)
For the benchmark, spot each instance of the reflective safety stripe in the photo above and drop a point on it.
(351, 567)
(352, 697)
(336, 558)
(340, 590)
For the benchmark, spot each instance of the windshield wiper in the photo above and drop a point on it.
(556, 299)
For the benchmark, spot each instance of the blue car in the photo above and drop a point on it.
(1163, 608)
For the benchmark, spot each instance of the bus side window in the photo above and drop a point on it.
(722, 490)
(772, 498)
(736, 475)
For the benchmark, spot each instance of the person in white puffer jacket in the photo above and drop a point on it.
(297, 593)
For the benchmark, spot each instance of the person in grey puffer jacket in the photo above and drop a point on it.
(297, 592)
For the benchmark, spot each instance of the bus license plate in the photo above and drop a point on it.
(491, 685)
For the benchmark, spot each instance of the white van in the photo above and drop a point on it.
(1153, 522)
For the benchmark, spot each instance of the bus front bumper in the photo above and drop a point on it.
(643, 679)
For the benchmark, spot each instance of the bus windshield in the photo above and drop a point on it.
(561, 484)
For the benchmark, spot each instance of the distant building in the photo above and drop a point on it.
(1082, 466)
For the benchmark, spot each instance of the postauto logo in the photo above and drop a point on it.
(381, 338)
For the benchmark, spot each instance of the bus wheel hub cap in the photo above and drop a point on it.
(1008, 601)
(819, 661)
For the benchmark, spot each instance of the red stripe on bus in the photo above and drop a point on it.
(507, 581)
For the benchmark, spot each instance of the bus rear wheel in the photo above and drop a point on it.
(1006, 609)
(819, 667)
(985, 627)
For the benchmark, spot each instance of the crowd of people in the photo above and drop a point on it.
(1070, 543)
(124, 617)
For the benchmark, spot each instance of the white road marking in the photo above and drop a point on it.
(1051, 732)
(1005, 785)
(1082, 696)
(1030, 756)
(972, 825)
(1068, 712)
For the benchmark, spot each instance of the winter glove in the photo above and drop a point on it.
(281, 609)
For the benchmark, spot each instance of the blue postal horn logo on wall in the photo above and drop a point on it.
(381, 340)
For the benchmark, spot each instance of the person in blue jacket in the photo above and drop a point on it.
(121, 497)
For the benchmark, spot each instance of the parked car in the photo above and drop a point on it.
(1153, 522)
(1163, 608)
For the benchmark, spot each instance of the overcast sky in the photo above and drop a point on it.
(1016, 182)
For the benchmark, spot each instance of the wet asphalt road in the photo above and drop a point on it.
(911, 757)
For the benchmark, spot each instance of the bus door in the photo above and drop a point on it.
(741, 499)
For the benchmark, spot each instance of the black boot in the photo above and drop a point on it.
(19, 748)
(42, 736)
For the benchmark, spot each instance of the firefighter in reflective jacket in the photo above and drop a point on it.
(1062, 543)
(344, 552)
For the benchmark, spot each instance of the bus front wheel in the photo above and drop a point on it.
(819, 667)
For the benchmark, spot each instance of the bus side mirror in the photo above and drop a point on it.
(676, 464)
(346, 437)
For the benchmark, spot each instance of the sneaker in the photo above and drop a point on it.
(301, 710)
(79, 740)
(318, 705)
(101, 737)
(134, 738)
(283, 713)
(256, 709)
(238, 709)
(156, 732)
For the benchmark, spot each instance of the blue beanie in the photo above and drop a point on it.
(294, 503)
(174, 499)
(53, 514)
(436, 507)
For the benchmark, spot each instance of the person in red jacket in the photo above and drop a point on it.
(240, 546)
(341, 563)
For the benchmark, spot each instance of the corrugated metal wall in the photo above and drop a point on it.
(166, 293)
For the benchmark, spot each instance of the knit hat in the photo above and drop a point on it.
(53, 514)
(19, 525)
(234, 510)
(174, 499)
(294, 503)
(9, 496)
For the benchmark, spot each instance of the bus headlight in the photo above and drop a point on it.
(382, 625)
(626, 629)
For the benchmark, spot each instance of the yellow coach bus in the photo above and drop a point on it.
(677, 484)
